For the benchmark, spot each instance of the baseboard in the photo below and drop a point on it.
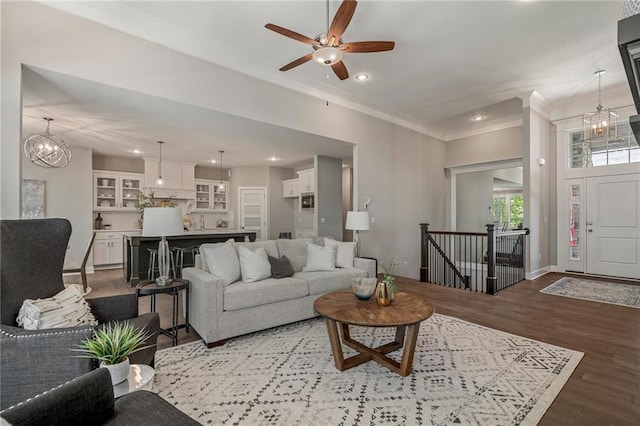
(538, 273)
(556, 268)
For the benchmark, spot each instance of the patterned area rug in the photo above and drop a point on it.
(596, 291)
(463, 373)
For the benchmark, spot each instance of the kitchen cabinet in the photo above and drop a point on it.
(210, 196)
(107, 248)
(114, 191)
(306, 181)
(178, 177)
(290, 188)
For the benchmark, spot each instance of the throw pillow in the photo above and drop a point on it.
(223, 262)
(320, 258)
(66, 309)
(254, 265)
(346, 252)
(280, 267)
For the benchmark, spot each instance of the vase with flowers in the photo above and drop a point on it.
(386, 289)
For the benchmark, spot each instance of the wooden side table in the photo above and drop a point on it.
(150, 288)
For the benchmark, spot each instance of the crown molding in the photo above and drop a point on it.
(490, 126)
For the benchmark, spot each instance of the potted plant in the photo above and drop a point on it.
(388, 289)
(112, 345)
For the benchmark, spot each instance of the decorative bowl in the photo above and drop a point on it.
(363, 288)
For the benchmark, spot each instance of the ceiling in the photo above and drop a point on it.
(453, 60)
(114, 121)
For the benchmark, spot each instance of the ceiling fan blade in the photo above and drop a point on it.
(341, 21)
(288, 33)
(297, 62)
(341, 70)
(367, 46)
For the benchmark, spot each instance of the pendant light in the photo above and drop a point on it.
(47, 150)
(221, 186)
(603, 123)
(160, 180)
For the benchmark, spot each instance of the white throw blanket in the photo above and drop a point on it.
(66, 309)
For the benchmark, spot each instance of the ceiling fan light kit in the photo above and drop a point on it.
(329, 48)
(327, 55)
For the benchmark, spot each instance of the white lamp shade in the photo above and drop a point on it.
(357, 221)
(162, 222)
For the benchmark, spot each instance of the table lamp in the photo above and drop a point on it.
(162, 222)
(357, 221)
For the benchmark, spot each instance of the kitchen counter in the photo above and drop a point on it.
(136, 260)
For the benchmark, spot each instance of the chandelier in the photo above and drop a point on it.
(47, 150)
(603, 123)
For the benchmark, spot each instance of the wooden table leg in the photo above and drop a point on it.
(336, 347)
(409, 349)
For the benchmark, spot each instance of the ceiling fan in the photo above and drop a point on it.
(329, 48)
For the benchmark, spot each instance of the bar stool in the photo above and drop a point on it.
(180, 252)
(153, 255)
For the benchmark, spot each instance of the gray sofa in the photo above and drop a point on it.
(218, 312)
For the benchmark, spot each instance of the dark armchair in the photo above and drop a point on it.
(88, 400)
(31, 262)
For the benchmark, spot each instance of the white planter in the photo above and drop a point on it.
(119, 372)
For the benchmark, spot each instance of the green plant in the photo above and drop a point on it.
(149, 200)
(387, 278)
(113, 343)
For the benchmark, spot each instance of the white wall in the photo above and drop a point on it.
(498, 145)
(401, 170)
(280, 209)
(68, 194)
(474, 196)
(538, 189)
(328, 200)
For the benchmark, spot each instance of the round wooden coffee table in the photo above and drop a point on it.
(405, 313)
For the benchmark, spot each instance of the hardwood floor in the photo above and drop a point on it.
(603, 390)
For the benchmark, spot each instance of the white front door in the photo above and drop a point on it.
(252, 211)
(612, 224)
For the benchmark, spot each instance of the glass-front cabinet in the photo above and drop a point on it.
(220, 195)
(211, 195)
(203, 195)
(117, 192)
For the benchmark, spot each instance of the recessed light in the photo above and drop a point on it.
(361, 76)
(478, 118)
(212, 161)
(136, 151)
(272, 158)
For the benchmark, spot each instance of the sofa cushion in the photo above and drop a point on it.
(223, 262)
(295, 250)
(280, 267)
(346, 252)
(254, 264)
(321, 282)
(203, 249)
(269, 246)
(241, 295)
(320, 258)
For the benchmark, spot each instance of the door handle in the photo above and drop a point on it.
(589, 223)
(590, 230)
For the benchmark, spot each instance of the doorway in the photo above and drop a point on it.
(604, 225)
(252, 211)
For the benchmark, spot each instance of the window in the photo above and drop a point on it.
(602, 152)
(508, 208)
